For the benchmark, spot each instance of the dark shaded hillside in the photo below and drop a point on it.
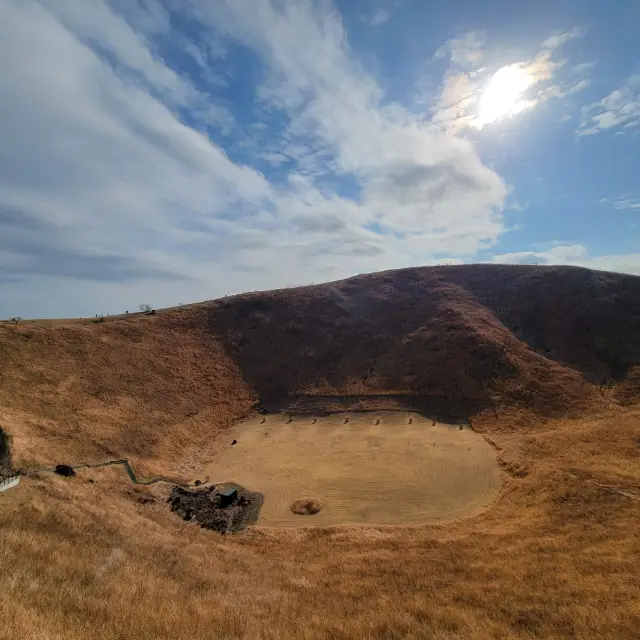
(477, 335)
(589, 320)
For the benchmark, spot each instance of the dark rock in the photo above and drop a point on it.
(206, 507)
(197, 483)
(234, 442)
(65, 470)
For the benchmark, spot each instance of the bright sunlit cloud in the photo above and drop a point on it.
(472, 95)
(504, 95)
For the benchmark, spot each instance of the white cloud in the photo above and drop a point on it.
(382, 12)
(466, 50)
(620, 110)
(583, 67)
(561, 38)
(96, 24)
(336, 108)
(575, 255)
(581, 85)
(459, 93)
(107, 197)
(380, 17)
(127, 45)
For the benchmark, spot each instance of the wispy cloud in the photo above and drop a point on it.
(562, 37)
(382, 12)
(585, 67)
(465, 50)
(381, 16)
(618, 111)
(627, 204)
(622, 203)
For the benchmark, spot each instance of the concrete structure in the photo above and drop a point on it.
(227, 496)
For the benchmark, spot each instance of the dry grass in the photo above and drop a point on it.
(366, 468)
(556, 555)
(155, 389)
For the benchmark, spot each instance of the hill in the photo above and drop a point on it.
(470, 337)
(489, 341)
(545, 361)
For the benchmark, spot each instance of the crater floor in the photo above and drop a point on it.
(364, 468)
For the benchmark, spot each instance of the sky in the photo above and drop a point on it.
(172, 151)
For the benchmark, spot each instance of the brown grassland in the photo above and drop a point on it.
(545, 363)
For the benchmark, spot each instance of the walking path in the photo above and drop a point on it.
(125, 463)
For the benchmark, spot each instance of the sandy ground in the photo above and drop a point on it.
(385, 468)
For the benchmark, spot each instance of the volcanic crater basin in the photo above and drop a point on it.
(386, 468)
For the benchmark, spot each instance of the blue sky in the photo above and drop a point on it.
(167, 151)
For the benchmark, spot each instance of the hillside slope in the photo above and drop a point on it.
(472, 337)
(466, 340)
(153, 388)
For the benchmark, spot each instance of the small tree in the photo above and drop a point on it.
(145, 308)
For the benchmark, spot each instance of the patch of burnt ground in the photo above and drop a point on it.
(227, 508)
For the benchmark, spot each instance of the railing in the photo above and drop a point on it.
(8, 482)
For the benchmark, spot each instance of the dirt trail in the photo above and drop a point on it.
(125, 463)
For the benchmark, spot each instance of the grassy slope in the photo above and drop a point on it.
(555, 557)
(152, 388)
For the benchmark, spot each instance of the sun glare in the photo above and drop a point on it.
(504, 94)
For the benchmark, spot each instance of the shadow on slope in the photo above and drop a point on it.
(588, 320)
(477, 336)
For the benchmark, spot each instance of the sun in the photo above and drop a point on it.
(503, 95)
